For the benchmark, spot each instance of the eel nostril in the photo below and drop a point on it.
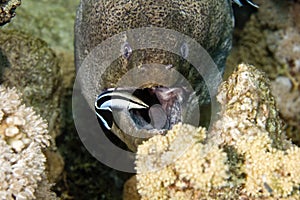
(184, 50)
(126, 50)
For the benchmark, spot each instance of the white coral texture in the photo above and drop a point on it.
(23, 135)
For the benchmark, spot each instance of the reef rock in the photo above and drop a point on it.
(251, 130)
(288, 103)
(270, 40)
(7, 10)
(30, 66)
(45, 19)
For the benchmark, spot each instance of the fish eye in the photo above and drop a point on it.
(184, 50)
(126, 50)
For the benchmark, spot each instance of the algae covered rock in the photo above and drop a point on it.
(7, 10)
(251, 131)
(51, 21)
(30, 66)
(246, 97)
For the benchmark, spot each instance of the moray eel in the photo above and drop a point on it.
(208, 22)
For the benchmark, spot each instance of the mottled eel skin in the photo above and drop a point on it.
(209, 22)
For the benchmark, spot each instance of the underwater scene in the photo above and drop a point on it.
(137, 100)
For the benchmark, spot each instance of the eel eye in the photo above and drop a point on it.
(126, 50)
(184, 50)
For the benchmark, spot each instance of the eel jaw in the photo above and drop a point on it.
(133, 125)
(164, 109)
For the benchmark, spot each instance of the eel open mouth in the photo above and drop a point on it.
(165, 107)
(152, 109)
(148, 100)
(136, 114)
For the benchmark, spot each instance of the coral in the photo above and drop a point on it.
(31, 67)
(246, 98)
(19, 124)
(258, 42)
(244, 155)
(249, 122)
(23, 137)
(271, 42)
(7, 10)
(270, 172)
(287, 53)
(179, 166)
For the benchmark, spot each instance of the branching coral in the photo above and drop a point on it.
(7, 10)
(245, 155)
(23, 136)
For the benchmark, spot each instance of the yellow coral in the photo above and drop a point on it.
(270, 171)
(178, 165)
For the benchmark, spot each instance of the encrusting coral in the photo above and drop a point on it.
(246, 99)
(271, 42)
(23, 137)
(244, 156)
(178, 165)
(249, 123)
